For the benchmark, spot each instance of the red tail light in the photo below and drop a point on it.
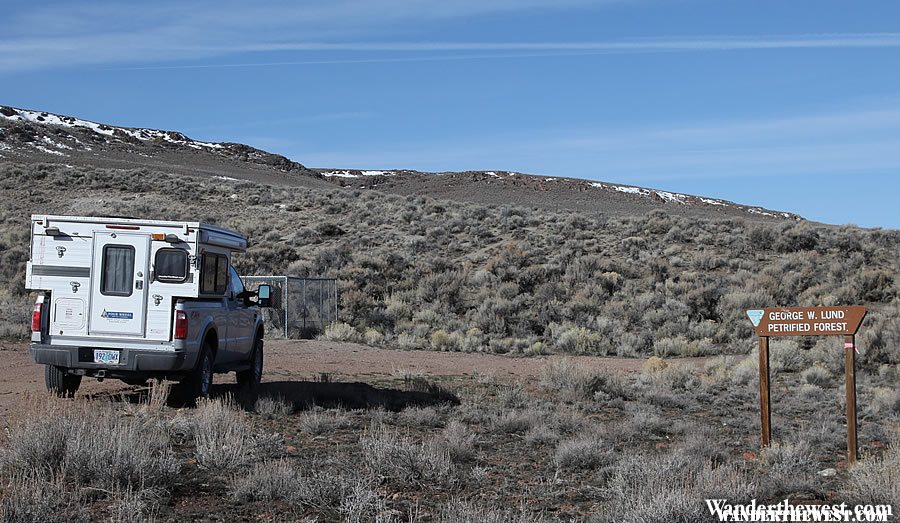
(181, 325)
(36, 317)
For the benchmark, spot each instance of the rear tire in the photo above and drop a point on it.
(249, 379)
(60, 382)
(198, 383)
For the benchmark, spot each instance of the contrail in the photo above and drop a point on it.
(507, 50)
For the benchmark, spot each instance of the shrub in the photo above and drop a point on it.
(817, 375)
(459, 441)
(583, 453)
(566, 376)
(373, 337)
(791, 467)
(318, 422)
(420, 417)
(341, 332)
(670, 487)
(515, 421)
(267, 481)
(443, 341)
(464, 512)
(402, 461)
(886, 401)
(747, 371)
(322, 489)
(222, 437)
(513, 396)
(579, 340)
(409, 341)
(273, 408)
(876, 480)
(541, 433)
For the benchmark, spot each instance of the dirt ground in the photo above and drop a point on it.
(302, 360)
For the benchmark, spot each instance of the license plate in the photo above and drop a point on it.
(108, 357)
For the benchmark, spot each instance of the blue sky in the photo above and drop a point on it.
(792, 105)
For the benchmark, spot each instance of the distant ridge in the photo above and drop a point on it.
(29, 136)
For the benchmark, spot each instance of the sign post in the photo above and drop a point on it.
(850, 372)
(765, 415)
(808, 321)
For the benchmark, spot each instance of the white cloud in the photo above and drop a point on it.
(115, 33)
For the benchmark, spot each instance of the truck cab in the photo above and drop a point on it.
(136, 299)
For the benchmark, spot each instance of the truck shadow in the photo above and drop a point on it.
(308, 394)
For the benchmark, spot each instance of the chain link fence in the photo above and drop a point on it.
(301, 307)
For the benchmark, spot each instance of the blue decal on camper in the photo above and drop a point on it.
(110, 315)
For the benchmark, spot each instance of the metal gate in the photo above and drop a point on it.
(301, 307)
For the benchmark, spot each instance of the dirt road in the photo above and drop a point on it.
(289, 360)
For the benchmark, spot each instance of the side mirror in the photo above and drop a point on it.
(264, 296)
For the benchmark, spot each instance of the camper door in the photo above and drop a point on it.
(119, 283)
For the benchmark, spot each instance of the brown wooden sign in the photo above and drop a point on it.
(807, 321)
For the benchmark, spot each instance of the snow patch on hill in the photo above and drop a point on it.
(24, 115)
(666, 196)
(356, 174)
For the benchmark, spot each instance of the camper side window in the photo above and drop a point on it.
(117, 277)
(171, 265)
(214, 278)
(221, 274)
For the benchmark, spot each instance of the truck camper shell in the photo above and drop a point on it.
(132, 298)
(80, 260)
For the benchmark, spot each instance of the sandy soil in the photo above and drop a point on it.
(300, 360)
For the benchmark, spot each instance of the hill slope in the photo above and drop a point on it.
(33, 137)
(417, 272)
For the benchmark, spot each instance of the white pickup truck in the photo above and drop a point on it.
(137, 299)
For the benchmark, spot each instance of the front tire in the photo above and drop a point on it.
(249, 379)
(60, 382)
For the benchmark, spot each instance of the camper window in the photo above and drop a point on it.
(221, 274)
(118, 270)
(171, 265)
(214, 278)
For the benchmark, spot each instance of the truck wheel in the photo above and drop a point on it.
(199, 382)
(60, 382)
(250, 378)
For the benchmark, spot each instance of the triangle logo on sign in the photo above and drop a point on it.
(755, 316)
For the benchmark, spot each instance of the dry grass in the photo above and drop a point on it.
(31, 497)
(91, 445)
(68, 453)
(552, 458)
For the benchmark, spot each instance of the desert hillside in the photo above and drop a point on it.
(40, 137)
(418, 272)
(349, 428)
